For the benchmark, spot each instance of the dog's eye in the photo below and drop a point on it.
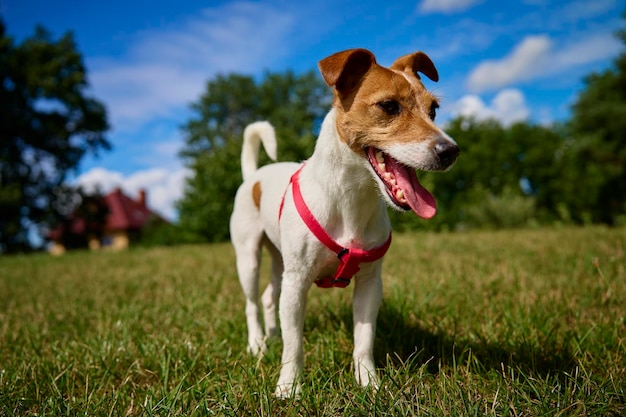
(391, 107)
(432, 113)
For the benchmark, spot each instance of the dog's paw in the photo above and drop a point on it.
(287, 391)
(257, 348)
(367, 378)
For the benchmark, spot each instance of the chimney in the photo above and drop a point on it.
(142, 197)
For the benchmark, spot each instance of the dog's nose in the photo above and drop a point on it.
(447, 152)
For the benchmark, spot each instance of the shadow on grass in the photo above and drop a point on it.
(404, 341)
(398, 337)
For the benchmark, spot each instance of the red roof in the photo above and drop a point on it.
(126, 213)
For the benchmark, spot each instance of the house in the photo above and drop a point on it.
(109, 222)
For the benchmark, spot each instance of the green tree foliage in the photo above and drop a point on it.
(87, 218)
(158, 232)
(48, 124)
(598, 129)
(527, 174)
(294, 104)
(505, 177)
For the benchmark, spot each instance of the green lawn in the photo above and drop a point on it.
(517, 323)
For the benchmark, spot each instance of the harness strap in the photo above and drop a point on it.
(349, 258)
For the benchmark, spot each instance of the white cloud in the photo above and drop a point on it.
(538, 56)
(147, 90)
(508, 107)
(166, 69)
(163, 187)
(526, 59)
(446, 6)
(99, 180)
(593, 48)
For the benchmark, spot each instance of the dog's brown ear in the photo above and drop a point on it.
(344, 70)
(417, 62)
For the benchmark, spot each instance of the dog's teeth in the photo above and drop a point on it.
(387, 176)
(400, 196)
(382, 166)
(379, 157)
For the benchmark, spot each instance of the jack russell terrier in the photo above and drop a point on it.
(325, 221)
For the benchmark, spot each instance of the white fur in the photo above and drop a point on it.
(345, 196)
(253, 134)
(350, 210)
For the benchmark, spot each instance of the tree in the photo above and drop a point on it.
(598, 142)
(294, 104)
(48, 124)
(86, 220)
(505, 177)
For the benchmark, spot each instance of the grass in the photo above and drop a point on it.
(510, 323)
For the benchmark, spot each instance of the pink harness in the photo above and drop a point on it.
(349, 258)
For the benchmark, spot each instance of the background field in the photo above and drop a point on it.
(479, 323)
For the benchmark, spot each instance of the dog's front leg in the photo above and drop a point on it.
(368, 294)
(292, 306)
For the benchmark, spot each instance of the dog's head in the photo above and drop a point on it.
(386, 116)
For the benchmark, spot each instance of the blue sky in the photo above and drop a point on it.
(148, 60)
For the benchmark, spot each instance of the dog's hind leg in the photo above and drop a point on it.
(248, 260)
(246, 236)
(271, 294)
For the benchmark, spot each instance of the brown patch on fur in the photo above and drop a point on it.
(361, 86)
(361, 122)
(414, 63)
(256, 194)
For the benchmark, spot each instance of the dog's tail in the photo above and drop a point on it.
(253, 135)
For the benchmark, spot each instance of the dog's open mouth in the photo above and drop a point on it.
(402, 184)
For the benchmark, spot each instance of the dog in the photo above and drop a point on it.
(325, 221)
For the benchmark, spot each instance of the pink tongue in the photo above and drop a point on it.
(418, 197)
